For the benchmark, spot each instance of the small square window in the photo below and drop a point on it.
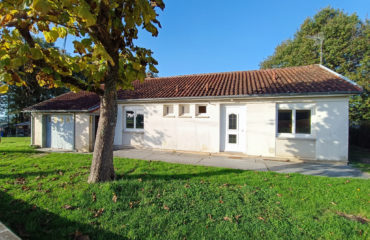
(168, 110)
(201, 110)
(184, 110)
(232, 138)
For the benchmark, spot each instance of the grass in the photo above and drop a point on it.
(45, 196)
(360, 158)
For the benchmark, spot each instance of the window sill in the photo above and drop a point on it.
(169, 116)
(295, 136)
(202, 116)
(133, 131)
(185, 116)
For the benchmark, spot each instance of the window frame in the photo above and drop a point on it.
(137, 110)
(294, 108)
(197, 114)
(167, 113)
(184, 114)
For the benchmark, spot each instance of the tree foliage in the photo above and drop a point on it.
(103, 27)
(104, 54)
(346, 50)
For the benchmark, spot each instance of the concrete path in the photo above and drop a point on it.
(6, 234)
(244, 163)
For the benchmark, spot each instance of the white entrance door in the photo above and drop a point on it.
(233, 124)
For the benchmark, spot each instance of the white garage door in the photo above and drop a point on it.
(60, 131)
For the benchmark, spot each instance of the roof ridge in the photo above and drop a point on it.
(230, 72)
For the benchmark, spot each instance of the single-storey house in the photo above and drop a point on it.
(294, 112)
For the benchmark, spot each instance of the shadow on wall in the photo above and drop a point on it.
(62, 125)
(31, 222)
(153, 139)
(330, 134)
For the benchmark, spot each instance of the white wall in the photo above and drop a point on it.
(38, 129)
(82, 132)
(261, 128)
(332, 130)
(180, 133)
(327, 141)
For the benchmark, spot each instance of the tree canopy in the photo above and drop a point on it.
(93, 22)
(105, 57)
(346, 50)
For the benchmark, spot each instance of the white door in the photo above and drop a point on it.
(233, 125)
(61, 131)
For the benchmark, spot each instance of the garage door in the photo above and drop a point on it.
(60, 131)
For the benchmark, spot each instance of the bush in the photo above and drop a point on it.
(359, 135)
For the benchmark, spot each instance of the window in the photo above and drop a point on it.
(130, 116)
(184, 110)
(134, 119)
(232, 138)
(303, 121)
(139, 121)
(201, 110)
(233, 121)
(285, 121)
(168, 110)
(294, 121)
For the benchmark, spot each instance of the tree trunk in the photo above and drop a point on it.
(102, 163)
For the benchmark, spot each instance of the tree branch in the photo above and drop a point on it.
(65, 79)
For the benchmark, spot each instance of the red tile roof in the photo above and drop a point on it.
(69, 101)
(312, 79)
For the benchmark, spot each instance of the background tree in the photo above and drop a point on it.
(346, 50)
(105, 58)
(19, 97)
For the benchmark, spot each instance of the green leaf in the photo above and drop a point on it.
(62, 32)
(42, 6)
(51, 36)
(5, 61)
(86, 15)
(5, 77)
(36, 53)
(153, 69)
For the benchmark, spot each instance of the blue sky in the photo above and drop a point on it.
(216, 36)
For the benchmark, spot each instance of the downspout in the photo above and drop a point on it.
(74, 132)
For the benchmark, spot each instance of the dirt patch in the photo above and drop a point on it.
(360, 219)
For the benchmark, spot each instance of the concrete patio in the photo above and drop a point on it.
(244, 163)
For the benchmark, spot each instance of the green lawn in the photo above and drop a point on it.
(45, 196)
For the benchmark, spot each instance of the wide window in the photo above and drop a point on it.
(294, 121)
(134, 118)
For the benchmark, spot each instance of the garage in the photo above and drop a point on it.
(60, 131)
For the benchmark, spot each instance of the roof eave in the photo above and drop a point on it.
(281, 95)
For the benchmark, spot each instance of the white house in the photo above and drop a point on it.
(296, 112)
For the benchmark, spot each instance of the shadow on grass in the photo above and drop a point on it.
(2, 151)
(31, 222)
(185, 176)
(27, 174)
